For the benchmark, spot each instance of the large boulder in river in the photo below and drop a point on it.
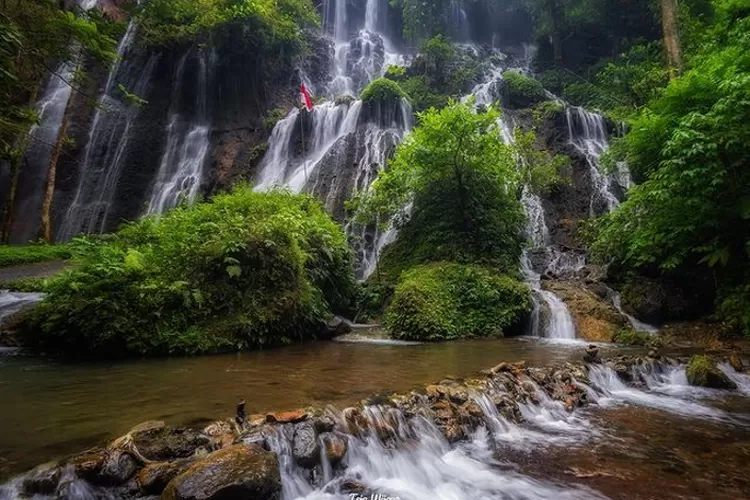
(165, 443)
(595, 319)
(703, 371)
(246, 472)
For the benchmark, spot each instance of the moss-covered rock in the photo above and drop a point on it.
(240, 471)
(628, 336)
(702, 371)
(519, 91)
(446, 301)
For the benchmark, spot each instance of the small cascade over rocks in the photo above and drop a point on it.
(449, 440)
(587, 133)
(181, 170)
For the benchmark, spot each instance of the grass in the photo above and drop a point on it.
(13, 255)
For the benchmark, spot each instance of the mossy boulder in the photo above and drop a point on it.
(703, 371)
(520, 91)
(628, 336)
(240, 471)
(445, 301)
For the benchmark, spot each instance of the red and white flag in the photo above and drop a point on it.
(306, 99)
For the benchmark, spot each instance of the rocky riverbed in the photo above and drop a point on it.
(470, 438)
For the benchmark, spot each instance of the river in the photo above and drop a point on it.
(51, 409)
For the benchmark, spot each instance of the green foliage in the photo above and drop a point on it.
(33, 35)
(440, 71)
(462, 181)
(246, 270)
(445, 301)
(26, 285)
(382, 90)
(395, 73)
(423, 20)
(521, 91)
(273, 116)
(539, 169)
(689, 146)
(11, 255)
(703, 371)
(733, 309)
(628, 336)
(267, 23)
(372, 298)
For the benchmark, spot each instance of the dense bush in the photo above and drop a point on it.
(26, 254)
(520, 91)
(444, 301)
(382, 90)
(246, 270)
(689, 147)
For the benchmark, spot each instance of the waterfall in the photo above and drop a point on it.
(42, 140)
(587, 133)
(333, 131)
(181, 168)
(108, 140)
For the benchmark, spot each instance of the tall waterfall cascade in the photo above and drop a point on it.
(181, 168)
(305, 148)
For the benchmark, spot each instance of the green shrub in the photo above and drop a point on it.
(381, 90)
(11, 255)
(345, 99)
(422, 95)
(521, 91)
(446, 301)
(26, 285)
(395, 73)
(628, 336)
(547, 110)
(245, 270)
(273, 116)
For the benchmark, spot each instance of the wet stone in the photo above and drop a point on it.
(167, 444)
(42, 481)
(305, 445)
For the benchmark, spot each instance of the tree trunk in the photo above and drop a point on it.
(555, 37)
(670, 28)
(49, 186)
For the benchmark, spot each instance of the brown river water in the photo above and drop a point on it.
(672, 442)
(50, 409)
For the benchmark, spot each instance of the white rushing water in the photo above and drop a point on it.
(181, 168)
(587, 132)
(300, 142)
(109, 137)
(415, 462)
(12, 302)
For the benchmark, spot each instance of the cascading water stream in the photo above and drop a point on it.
(360, 57)
(109, 137)
(181, 169)
(42, 140)
(587, 132)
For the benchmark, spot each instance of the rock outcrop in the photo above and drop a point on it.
(596, 320)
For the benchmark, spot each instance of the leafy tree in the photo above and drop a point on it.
(461, 182)
(689, 147)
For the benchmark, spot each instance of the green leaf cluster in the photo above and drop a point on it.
(245, 270)
(461, 181)
(382, 90)
(445, 301)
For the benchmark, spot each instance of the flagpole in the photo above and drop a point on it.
(304, 153)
